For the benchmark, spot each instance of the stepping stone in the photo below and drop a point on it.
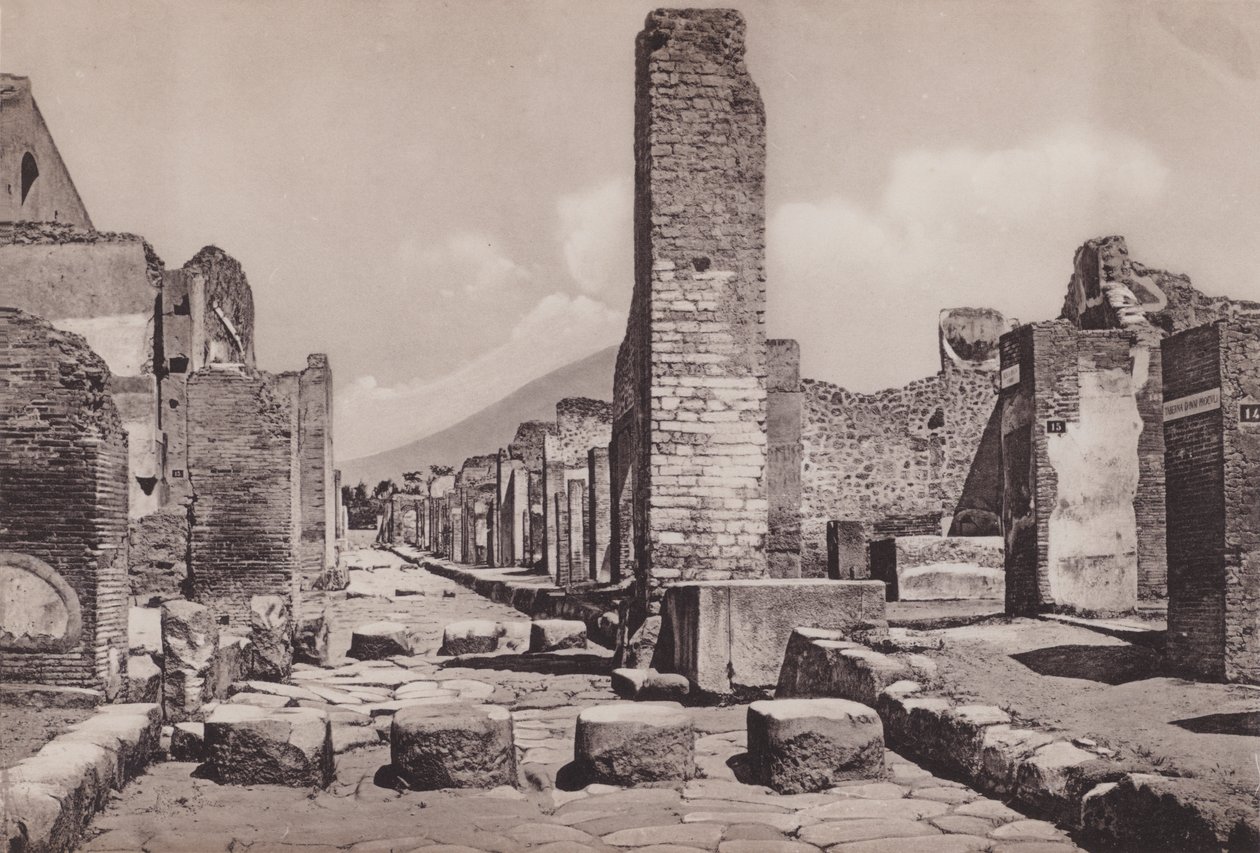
(470, 637)
(271, 638)
(379, 640)
(550, 635)
(310, 643)
(625, 743)
(798, 746)
(453, 746)
(246, 745)
(649, 685)
(188, 742)
(144, 679)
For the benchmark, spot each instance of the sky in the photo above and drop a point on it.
(438, 194)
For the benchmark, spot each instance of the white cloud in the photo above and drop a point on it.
(558, 330)
(468, 261)
(951, 228)
(596, 230)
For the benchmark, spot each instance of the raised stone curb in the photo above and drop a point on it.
(800, 746)
(628, 743)
(49, 798)
(453, 745)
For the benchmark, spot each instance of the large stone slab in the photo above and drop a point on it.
(248, 745)
(453, 745)
(549, 635)
(800, 746)
(271, 638)
(628, 743)
(379, 640)
(729, 635)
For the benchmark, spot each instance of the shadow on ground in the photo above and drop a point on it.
(545, 663)
(1106, 664)
(1239, 723)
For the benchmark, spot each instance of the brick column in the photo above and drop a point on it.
(599, 521)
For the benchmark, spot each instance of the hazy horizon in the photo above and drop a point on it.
(439, 195)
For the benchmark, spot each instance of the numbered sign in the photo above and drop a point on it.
(1249, 413)
(1054, 427)
(178, 473)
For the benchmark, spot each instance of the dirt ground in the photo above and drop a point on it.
(24, 730)
(1086, 684)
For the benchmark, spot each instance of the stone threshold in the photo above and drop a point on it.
(1085, 792)
(48, 799)
(532, 594)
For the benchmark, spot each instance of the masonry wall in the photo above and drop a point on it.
(581, 423)
(315, 446)
(1213, 470)
(104, 287)
(63, 501)
(1068, 498)
(599, 522)
(242, 461)
(896, 460)
(25, 140)
(693, 367)
(528, 446)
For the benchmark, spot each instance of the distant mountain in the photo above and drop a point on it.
(492, 427)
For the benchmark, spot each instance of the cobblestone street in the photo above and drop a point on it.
(169, 808)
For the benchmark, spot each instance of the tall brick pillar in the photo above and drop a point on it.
(319, 523)
(693, 367)
(63, 511)
(1212, 461)
(783, 458)
(599, 522)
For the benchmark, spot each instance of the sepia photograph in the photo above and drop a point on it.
(559, 426)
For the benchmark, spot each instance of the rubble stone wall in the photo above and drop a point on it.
(1213, 469)
(897, 454)
(693, 367)
(783, 458)
(242, 463)
(63, 501)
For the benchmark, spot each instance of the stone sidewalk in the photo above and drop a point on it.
(170, 808)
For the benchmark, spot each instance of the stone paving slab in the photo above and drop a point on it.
(171, 808)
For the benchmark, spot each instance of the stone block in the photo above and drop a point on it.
(1144, 811)
(379, 640)
(1053, 780)
(513, 635)
(263, 700)
(453, 746)
(804, 745)
(950, 581)
(144, 679)
(628, 743)
(470, 637)
(549, 635)
(247, 745)
(271, 638)
(819, 663)
(310, 642)
(231, 664)
(190, 636)
(188, 742)
(649, 685)
(729, 635)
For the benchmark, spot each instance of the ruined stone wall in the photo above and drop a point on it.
(63, 501)
(104, 287)
(1212, 440)
(581, 423)
(528, 446)
(901, 455)
(242, 461)
(36, 185)
(222, 308)
(1070, 430)
(474, 501)
(693, 367)
(784, 409)
(315, 446)
(599, 521)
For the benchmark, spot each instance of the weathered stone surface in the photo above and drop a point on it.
(1147, 812)
(379, 640)
(271, 637)
(649, 685)
(626, 743)
(733, 634)
(310, 642)
(804, 745)
(549, 635)
(188, 742)
(47, 696)
(144, 679)
(470, 637)
(1055, 778)
(263, 700)
(190, 643)
(246, 745)
(453, 746)
(820, 663)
